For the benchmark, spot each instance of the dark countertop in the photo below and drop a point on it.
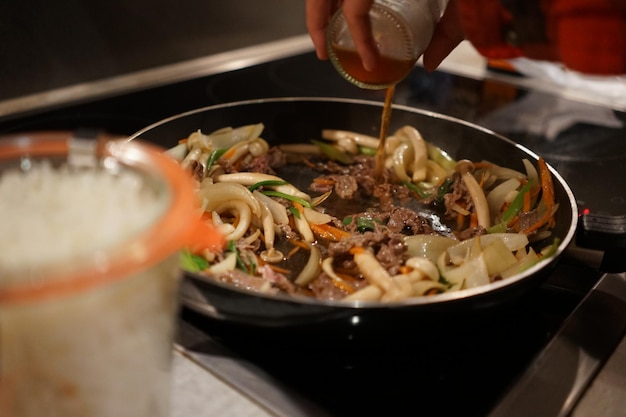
(49, 45)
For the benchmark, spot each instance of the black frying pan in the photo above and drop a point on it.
(293, 120)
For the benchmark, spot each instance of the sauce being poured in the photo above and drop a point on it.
(382, 138)
(389, 70)
(401, 31)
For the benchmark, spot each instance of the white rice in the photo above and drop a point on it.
(98, 353)
(50, 215)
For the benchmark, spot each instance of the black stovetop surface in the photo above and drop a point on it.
(464, 375)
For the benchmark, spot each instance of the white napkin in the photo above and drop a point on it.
(547, 115)
(610, 90)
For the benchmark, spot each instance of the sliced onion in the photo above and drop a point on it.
(243, 213)
(498, 195)
(363, 140)
(368, 293)
(513, 241)
(316, 217)
(435, 172)
(227, 264)
(402, 289)
(531, 171)
(506, 173)
(424, 266)
(400, 159)
(470, 274)
(312, 268)
(428, 246)
(251, 178)
(303, 227)
(226, 138)
(219, 193)
(178, 152)
(479, 199)
(522, 264)
(497, 257)
(316, 201)
(279, 212)
(373, 271)
(420, 151)
(423, 286)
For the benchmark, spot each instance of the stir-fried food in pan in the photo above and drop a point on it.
(312, 220)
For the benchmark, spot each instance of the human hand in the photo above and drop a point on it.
(448, 32)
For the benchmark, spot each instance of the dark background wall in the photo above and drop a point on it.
(50, 44)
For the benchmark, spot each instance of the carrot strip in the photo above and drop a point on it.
(460, 220)
(547, 187)
(229, 153)
(298, 207)
(356, 250)
(541, 222)
(279, 269)
(404, 269)
(483, 176)
(293, 251)
(547, 195)
(473, 220)
(299, 243)
(324, 181)
(329, 232)
(343, 286)
(347, 277)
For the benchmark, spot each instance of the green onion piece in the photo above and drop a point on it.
(421, 193)
(192, 263)
(512, 210)
(240, 263)
(232, 247)
(440, 156)
(295, 212)
(248, 265)
(347, 220)
(497, 228)
(516, 205)
(364, 224)
(253, 268)
(334, 153)
(268, 183)
(444, 188)
(214, 156)
(364, 150)
(546, 253)
(550, 251)
(271, 193)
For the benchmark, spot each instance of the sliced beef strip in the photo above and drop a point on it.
(403, 219)
(458, 194)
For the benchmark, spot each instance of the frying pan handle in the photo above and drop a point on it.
(605, 233)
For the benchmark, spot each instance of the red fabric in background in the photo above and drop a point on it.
(585, 35)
